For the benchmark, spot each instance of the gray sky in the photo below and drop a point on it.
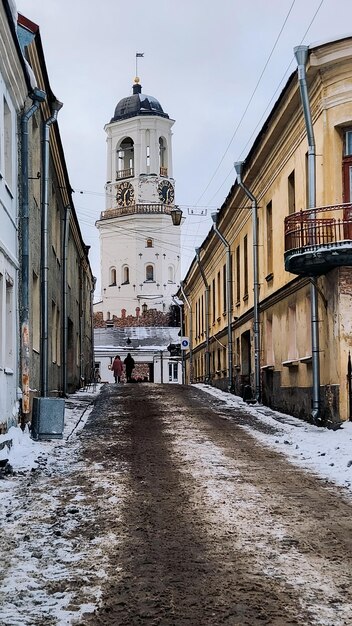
(203, 61)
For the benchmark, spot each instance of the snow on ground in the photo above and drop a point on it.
(323, 451)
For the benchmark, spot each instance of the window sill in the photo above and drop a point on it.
(238, 303)
(8, 371)
(269, 277)
(269, 366)
(127, 282)
(290, 363)
(245, 297)
(306, 359)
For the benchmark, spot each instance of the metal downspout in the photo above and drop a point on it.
(301, 54)
(64, 300)
(190, 332)
(207, 289)
(37, 96)
(228, 299)
(256, 323)
(44, 263)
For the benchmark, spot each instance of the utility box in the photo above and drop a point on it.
(48, 418)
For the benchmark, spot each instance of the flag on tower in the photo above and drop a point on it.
(139, 54)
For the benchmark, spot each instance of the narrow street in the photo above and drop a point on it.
(164, 511)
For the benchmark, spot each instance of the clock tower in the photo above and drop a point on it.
(139, 246)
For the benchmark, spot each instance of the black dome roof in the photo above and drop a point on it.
(137, 104)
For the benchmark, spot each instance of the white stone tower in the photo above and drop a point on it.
(139, 245)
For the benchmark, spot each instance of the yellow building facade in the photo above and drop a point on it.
(249, 290)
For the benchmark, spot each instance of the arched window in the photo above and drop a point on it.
(125, 159)
(112, 277)
(170, 274)
(149, 273)
(162, 156)
(125, 275)
(150, 243)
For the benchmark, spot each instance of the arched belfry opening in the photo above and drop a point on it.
(125, 159)
(163, 156)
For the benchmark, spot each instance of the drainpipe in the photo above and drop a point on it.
(256, 325)
(228, 299)
(66, 231)
(44, 345)
(37, 96)
(301, 54)
(207, 289)
(190, 332)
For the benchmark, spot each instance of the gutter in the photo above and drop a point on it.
(301, 54)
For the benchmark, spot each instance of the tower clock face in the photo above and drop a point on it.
(124, 194)
(166, 192)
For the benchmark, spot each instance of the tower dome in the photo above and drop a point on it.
(137, 104)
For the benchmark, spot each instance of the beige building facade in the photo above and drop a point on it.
(253, 327)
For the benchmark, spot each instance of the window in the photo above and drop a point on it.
(202, 316)
(148, 156)
(149, 273)
(9, 319)
(8, 144)
(291, 193)
(54, 339)
(224, 290)
(269, 235)
(173, 372)
(125, 159)
(218, 293)
(36, 313)
(162, 157)
(125, 275)
(238, 274)
(348, 143)
(213, 301)
(1, 317)
(149, 243)
(112, 277)
(269, 341)
(245, 266)
(292, 333)
(170, 274)
(197, 328)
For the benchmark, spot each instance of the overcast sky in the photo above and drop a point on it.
(216, 68)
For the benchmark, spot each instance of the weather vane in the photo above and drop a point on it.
(139, 55)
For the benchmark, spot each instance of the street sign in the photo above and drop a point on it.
(184, 343)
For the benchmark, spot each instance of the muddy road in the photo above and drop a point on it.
(164, 511)
(213, 528)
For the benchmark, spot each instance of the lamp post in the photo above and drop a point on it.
(256, 328)
(228, 297)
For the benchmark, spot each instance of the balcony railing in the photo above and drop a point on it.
(127, 173)
(316, 240)
(142, 209)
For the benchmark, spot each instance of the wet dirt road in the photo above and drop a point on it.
(209, 527)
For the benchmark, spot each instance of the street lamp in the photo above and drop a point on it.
(176, 216)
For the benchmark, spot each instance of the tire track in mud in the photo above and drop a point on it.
(178, 561)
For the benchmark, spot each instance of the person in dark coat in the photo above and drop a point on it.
(129, 363)
(117, 368)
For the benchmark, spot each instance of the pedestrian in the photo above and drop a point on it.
(129, 363)
(117, 368)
